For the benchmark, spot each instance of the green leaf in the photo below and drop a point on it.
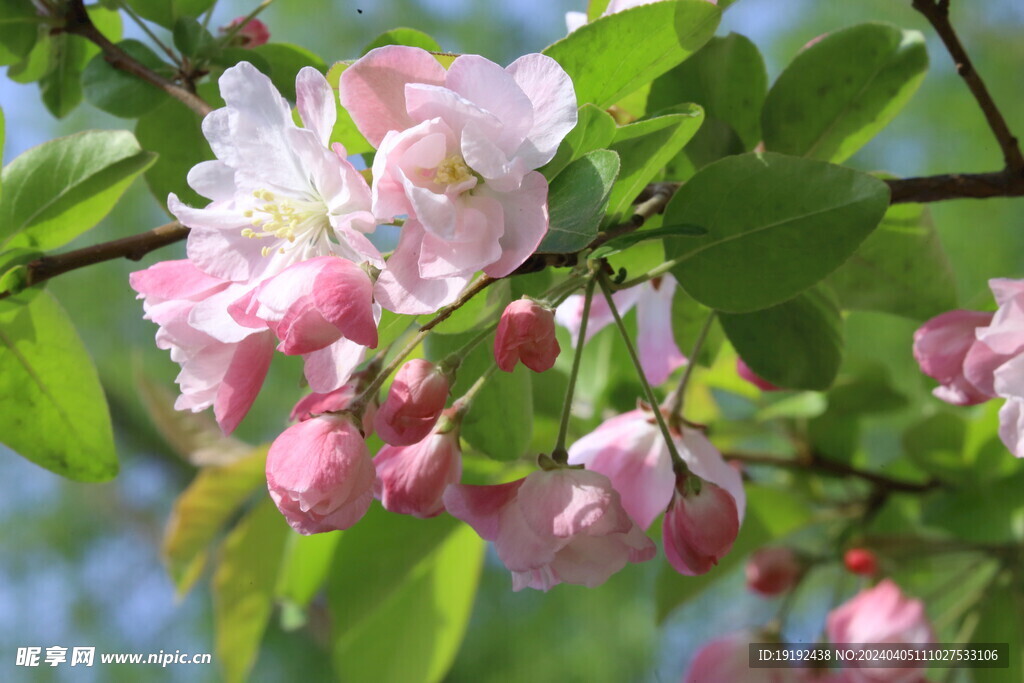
(243, 588)
(989, 513)
(614, 55)
(61, 88)
(60, 189)
(307, 563)
(52, 407)
(19, 25)
(228, 57)
(870, 392)
(595, 129)
(401, 594)
(644, 148)
(120, 93)
(13, 273)
(771, 514)
(840, 92)
(403, 36)
(936, 445)
(727, 77)
(1000, 619)
(175, 133)
(797, 344)
(900, 268)
(776, 225)
(192, 39)
(577, 199)
(202, 510)
(285, 62)
(167, 12)
(35, 64)
(619, 244)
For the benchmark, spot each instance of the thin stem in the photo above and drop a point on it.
(678, 397)
(452, 362)
(835, 468)
(657, 271)
(560, 454)
(152, 36)
(462, 405)
(677, 460)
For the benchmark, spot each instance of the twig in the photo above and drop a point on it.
(937, 14)
(1007, 183)
(77, 22)
(826, 466)
(132, 248)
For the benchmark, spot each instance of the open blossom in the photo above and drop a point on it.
(773, 571)
(414, 403)
(225, 375)
(412, 479)
(655, 341)
(631, 451)
(456, 151)
(699, 527)
(526, 332)
(320, 474)
(941, 346)
(559, 526)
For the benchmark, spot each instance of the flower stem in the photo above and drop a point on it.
(677, 461)
(462, 404)
(453, 360)
(560, 454)
(676, 400)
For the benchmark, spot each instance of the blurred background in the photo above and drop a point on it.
(79, 563)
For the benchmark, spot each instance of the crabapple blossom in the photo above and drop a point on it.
(252, 34)
(744, 371)
(631, 451)
(225, 375)
(415, 401)
(656, 344)
(320, 474)
(526, 332)
(456, 151)
(554, 526)
(941, 346)
(773, 571)
(700, 527)
(412, 479)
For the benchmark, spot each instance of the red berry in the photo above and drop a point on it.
(861, 561)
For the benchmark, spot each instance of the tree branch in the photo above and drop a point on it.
(77, 22)
(940, 188)
(828, 467)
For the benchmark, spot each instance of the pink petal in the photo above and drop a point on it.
(243, 380)
(526, 223)
(174, 280)
(343, 294)
(706, 462)
(495, 90)
(1011, 425)
(315, 102)
(400, 288)
(475, 244)
(481, 506)
(656, 344)
(329, 368)
(590, 560)
(564, 503)
(551, 91)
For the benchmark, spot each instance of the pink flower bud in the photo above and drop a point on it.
(253, 34)
(415, 401)
(773, 571)
(941, 346)
(744, 371)
(320, 474)
(526, 333)
(412, 479)
(861, 561)
(699, 528)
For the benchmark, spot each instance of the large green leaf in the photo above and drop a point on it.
(644, 148)
(577, 200)
(838, 93)
(727, 77)
(797, 344)
(167, 12)
(614, 55)
(595, 128)
(243, 588)
(307, 563)
(61, 87)
(202, 510)
(120, 93)
(52, 407)
(18, 30)
(175, 133)
(285, 62)
(60, 189)
(900, 268)
(401, 594)
(775, 226)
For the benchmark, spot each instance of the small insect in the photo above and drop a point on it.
(359, 10)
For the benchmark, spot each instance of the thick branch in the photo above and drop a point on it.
(77, 21)
(828, 467)
(937, 14)
(939, 188)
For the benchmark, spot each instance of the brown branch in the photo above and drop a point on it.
(937, 14)
(828, 467)
(940, 188)
(132, 248)
(77, 22)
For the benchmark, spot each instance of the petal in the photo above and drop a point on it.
(243, 380)
(434, 102)
(566, 503)
(329, 368)
(519, 546)
(706, 462)
(174, 280)
(373, 89)
(316, 104)
(213, 315)
(526, 223)
(495, 90)
(656, 344)
(400, 288)
(213, 179)
(480, 506)
(551, 91)
(479, 227)
(570, 313)
(343, 293)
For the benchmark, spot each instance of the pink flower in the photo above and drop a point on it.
(726, 660)
(526, 332)
(941, 346)
(558, 526)
(333, 402)
(253, 34)
(412, 479)
(320, 474)
(656, 344)
(415, 401)
(880, 615)
(860, 561)
(773, 571)
(227, 375)
(699, 527)
(744, 371)
(631, 451)
(455, 153)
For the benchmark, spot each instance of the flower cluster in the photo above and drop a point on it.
(977, 356)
